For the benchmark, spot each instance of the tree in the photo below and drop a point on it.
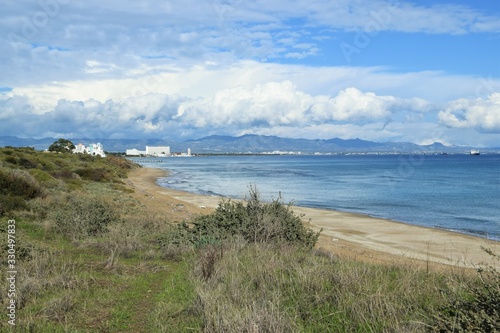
(62, 146)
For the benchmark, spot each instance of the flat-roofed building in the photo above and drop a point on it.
(150, 151)
(158, 151)
(135, 152)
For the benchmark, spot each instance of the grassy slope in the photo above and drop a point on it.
(122, 281)
(71, 283)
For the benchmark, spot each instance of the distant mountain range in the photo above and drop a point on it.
(253, 144)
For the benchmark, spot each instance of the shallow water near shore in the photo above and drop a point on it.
(454, 192)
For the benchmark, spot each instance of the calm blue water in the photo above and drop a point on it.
(455, 192)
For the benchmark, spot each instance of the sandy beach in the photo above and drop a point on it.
(344, 234)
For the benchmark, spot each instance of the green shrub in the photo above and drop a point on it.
(93, 174)
(44, 178)
(255, 221)
(23, 250)
(9, 203)
(121, 165)
(40, 207)
(67, 166)
(19, 183)
(179, 235)
(41, 175)
(17, 186)
(11, 160)
(27, 163)
(61, 161)
(86, 157)
(63, 174)
(83, 215)
(477, 308)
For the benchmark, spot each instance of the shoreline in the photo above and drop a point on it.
(352, 235)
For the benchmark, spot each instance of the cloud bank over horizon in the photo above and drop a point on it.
(376, 70)
(273, 108)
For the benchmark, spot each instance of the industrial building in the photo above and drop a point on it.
(150, 151)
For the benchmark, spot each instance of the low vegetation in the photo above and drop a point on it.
(91, 258)
(477, 309)
(82, 216)
(252, 221)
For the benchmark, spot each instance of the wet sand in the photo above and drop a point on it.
(350, 235)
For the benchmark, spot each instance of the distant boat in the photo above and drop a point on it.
(474, 152)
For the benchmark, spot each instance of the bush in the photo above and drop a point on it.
(17, 186)
(10, 159)
(27, 163)
(44, 178)
(254, 221)
(83, 215)
(41, 175)
(19, 183)
(477, 309)
(93, 174)
(122, 166)
(9, 203)
(23, 250)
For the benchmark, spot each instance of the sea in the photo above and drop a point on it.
(460, 193)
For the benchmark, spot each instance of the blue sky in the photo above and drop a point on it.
(381, 70)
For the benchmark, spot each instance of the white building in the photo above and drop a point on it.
(188, 154)
(135, 152)
(150, 151)
(95, 149)
(79, 149)
(158, 151)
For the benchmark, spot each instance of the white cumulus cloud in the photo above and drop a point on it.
(283, 104)
(482, 114)
(235, 110)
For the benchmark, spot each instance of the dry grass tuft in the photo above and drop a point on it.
(44, 272)
(59, 308)
(285, 288)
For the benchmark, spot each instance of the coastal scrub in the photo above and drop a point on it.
(252, 220)
(93, 254)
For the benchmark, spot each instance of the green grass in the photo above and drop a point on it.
(175, 309)
(287, 289)
(255, 274)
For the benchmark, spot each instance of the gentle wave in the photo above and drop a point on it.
(455, 192)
